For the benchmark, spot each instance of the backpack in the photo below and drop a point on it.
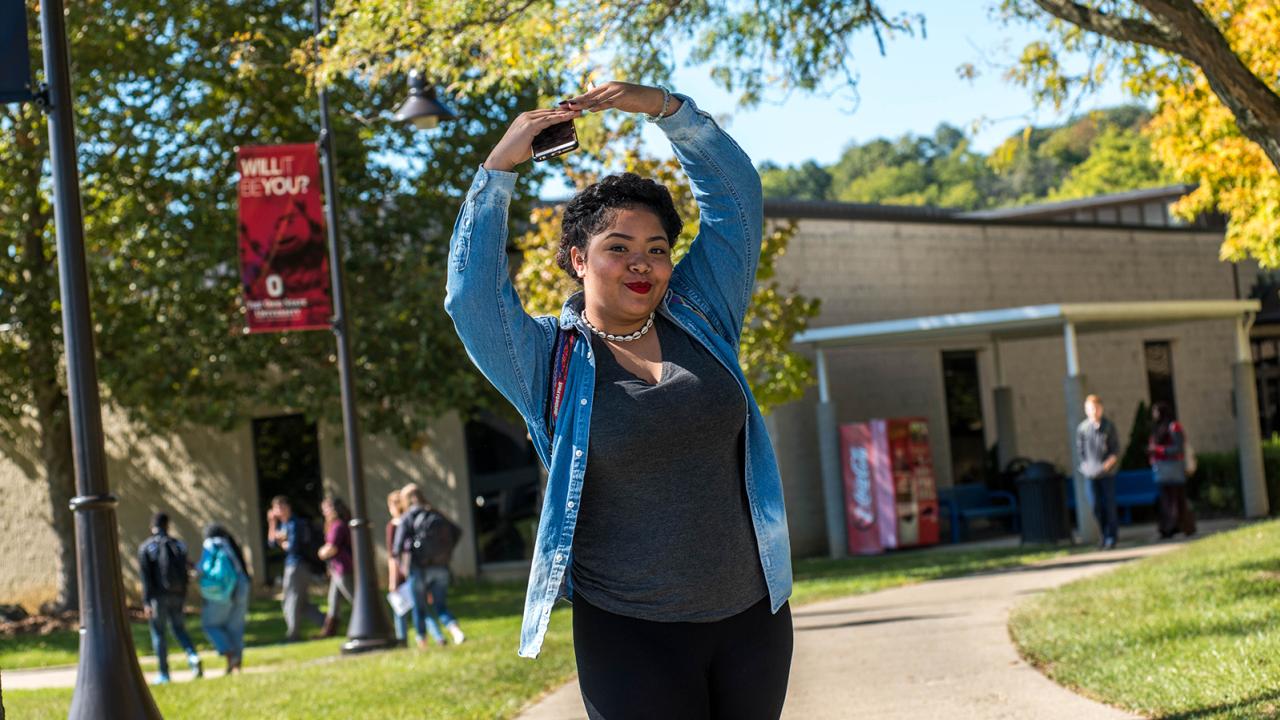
(219, 571)
(431, 538)
(309, 542)
(170, 557)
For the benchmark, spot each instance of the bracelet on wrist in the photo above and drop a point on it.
(666, 101)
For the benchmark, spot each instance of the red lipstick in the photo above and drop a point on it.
(642, 288)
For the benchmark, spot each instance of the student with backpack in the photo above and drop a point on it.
(296, 537)
(224, 587)
(425, 540)
(164, 568)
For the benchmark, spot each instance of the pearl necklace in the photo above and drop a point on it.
(621, 338)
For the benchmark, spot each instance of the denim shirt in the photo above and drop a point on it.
(707, 297)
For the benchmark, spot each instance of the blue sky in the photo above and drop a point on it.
(912, 88)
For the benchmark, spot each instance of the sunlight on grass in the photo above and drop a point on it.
(1194, 633)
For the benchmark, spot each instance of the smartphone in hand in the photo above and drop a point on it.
(555, 140)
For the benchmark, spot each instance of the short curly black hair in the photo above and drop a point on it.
(595, 206)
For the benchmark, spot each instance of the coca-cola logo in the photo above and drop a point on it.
(863, 511)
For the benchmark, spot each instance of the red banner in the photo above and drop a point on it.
(284, 264)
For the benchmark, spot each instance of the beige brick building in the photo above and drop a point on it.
(869, 263)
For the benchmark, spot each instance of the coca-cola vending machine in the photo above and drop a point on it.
(891, 499)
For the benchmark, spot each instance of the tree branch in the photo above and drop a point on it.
(1116, 27)
(1254, 104)
(1181, 28)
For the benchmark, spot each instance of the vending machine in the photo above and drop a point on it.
(891, 499)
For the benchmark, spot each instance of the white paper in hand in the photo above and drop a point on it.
(401, 599)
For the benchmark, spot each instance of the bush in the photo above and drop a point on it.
(1135, 454)
(1216, 485)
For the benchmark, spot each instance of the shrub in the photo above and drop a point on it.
(1216, 485)
(1135, 455)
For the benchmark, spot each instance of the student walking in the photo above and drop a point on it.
(395, 571)
(293, 534)
(1098, 448)
(663, 518)
(336, 551)
(165, 571)
(425, 541)
(224, 586)
(1167, 448)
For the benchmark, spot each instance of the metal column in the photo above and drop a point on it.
(1002, 400)
(1073, 394)
(1253, 482)
(829, 453)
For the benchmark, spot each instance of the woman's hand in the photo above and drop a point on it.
(626, 97)
(516, 145)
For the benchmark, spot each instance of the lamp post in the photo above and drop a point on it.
(368, 629)
(108, 679)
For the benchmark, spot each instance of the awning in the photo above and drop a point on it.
(1029, 321)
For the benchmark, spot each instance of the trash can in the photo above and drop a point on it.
(1042, 504)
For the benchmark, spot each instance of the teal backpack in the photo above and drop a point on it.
(218, 571)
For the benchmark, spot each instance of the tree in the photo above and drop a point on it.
(1118, 160)
(807, 181)
(1030, 165)
(775, 372)
(484, 46)
(1212, 66)
(933, 170)
(164, 92)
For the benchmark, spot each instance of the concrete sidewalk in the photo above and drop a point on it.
(65, 675)
(936, 649)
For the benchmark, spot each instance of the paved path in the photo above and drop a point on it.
(65, 675)
(932, 650)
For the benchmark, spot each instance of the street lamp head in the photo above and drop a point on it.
(422, 108)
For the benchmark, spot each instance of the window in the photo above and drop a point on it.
(964, 416)
(1160, 373)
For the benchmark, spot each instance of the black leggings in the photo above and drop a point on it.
(733, 668)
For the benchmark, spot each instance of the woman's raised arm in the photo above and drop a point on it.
(719, 271)
(510, 348)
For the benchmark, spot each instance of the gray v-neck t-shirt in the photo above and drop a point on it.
(664, 531)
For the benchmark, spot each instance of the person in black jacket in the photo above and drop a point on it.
(164, 568)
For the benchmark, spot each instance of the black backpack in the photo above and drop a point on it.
(431, 538)
(309, 541)
(170, 557)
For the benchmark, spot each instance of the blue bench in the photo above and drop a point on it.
(973, 501)
(1134, 488)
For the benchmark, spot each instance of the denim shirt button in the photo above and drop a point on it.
(577, 453)
(559, 557)
(570, 504)
(583, 401)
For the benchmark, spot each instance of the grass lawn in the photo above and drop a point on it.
(1194, 633)
(483, 678)
(265, 626)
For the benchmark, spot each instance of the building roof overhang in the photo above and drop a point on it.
(1030, 321)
